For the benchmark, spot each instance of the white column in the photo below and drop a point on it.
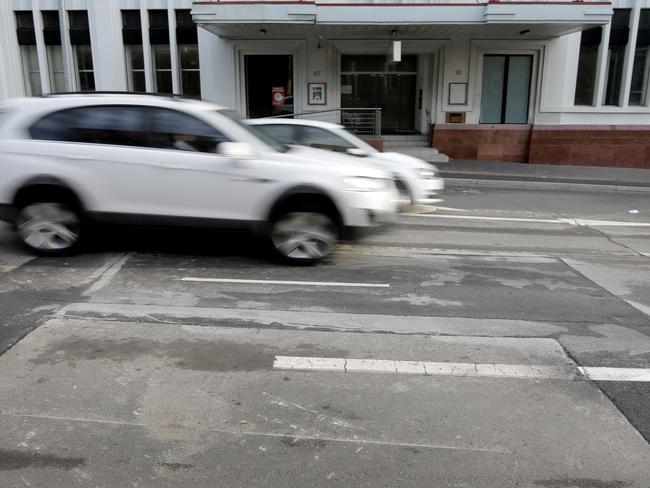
(173, 48)
(601, 72)
(11, 80)
(630, 51)
(43, 65)
(69, 77)
(146, 48)
(218, 77)
(109, 65)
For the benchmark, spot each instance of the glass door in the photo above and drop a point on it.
(505, 94)
(369, 81)
(269, 84)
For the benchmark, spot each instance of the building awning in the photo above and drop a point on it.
(420, 19)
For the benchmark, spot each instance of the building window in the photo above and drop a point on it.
(31, 71)
(505, 93)
(135, 68)
(161, 54)
(188, 53)
(162, 68)
(639, 86)
(28, 52)
(616, 55)
(84, 61)
(55, 61)
(132, 38)
(587, 66)
(190, 73)
(78, 19)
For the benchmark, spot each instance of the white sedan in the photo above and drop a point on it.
(416, 179)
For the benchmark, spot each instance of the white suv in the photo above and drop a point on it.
(71, 160)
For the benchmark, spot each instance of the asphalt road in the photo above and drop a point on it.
(502, 340)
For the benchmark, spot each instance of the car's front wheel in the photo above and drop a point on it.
(49, 228)
(303, 236)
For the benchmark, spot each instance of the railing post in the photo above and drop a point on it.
(378, 122)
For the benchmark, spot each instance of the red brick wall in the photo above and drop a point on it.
(622, 146)
(489, 142)
(376, 142)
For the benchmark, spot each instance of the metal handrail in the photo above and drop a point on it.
(365, 126)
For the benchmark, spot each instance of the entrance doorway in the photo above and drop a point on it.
(505, 95)
(269, 84)
(369, 81)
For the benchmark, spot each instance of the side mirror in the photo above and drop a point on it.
(355, 151)
(239, 151)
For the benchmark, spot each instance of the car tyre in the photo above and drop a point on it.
(50, 228)
(303, 235)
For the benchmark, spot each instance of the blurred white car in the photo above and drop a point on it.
(417, 181)
(70, 160)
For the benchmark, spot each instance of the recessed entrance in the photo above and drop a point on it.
(269, 84)
(369, 81)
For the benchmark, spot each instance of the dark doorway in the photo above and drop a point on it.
(372, 81)
(269, 84)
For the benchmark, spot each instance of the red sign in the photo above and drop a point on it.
(277, 95)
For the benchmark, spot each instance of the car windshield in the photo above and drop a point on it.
(255, 132)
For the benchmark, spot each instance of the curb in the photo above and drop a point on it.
(560, 185)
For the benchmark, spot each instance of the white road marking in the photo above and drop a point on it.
(106, 274)
(479, 217)
(474, 370)
(281, 282)
(616, 374)
(565, 221)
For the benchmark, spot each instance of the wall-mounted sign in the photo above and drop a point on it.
(277, 95)
(457, 94)
(317, 93)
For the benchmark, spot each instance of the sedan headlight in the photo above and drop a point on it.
(363, 183)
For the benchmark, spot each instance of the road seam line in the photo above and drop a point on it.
(282, 282)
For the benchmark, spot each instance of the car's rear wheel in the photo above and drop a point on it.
(49, 228)
(303, 236)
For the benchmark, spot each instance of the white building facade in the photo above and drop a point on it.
(556, 82)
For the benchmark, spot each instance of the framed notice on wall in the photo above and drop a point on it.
(457, 94)
(317, 93)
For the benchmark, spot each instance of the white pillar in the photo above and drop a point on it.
(69, 77)
(173, 48)
(601, 71)
(11, 80)
(218, 76)
(146, 48)
(628, 66)
(43, 65)
(109, 65)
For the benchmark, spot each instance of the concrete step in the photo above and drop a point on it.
(392, 144)
(426, 153)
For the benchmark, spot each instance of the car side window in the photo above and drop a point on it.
(171, 129)
(284, 133)
(323, 139)
(106, 124)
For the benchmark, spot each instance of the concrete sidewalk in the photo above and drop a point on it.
(493, 171)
